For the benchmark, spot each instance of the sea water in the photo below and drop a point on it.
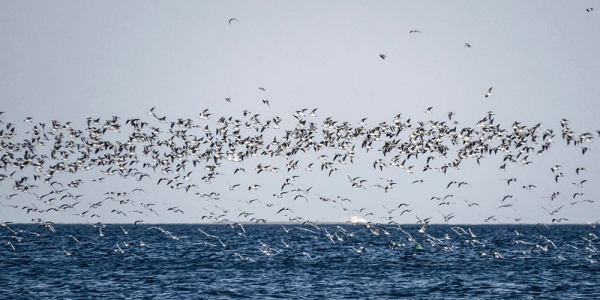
(293, 261)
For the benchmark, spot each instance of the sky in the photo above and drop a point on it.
(70, 60)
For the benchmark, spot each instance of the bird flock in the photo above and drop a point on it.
(255, 168)
(44, 172)
(230, 171)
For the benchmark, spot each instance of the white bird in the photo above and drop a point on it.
(119, 249)
(204, 114)
(489, 93)
(68, 253)
(71, 236)
(124, 231)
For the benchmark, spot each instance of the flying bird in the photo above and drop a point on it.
(489, 93)
(383, 56)
(233, 19)
(204, 114)
(284, 208)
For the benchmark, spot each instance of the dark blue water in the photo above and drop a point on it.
(325, 261)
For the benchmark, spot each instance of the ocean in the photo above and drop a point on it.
(290, 261)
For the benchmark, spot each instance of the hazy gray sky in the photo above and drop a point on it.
(69, 60)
